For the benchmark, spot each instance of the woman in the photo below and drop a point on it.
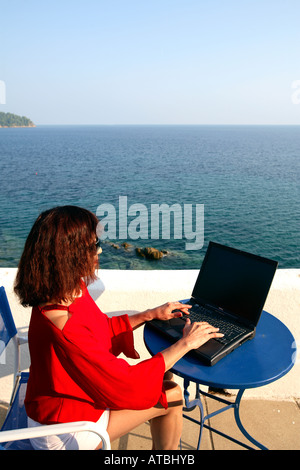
(75, 372)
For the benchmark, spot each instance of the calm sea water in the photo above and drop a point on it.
(247, 177)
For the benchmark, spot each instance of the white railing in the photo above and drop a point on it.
(118, 291)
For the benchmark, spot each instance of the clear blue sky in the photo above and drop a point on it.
(151, 61)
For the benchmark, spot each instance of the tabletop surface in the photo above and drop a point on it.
(259, 361)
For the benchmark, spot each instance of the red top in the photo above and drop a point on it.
(75, 373)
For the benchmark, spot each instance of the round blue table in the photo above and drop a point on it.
(266, 358)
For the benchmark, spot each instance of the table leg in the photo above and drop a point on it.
(190, 405)
(239, 423)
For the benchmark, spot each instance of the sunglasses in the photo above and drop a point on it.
(98, 243)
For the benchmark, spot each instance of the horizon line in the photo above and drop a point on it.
(160, 124)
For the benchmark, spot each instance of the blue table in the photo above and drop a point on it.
(266, 358)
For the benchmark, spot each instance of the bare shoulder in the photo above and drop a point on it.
(58, 317)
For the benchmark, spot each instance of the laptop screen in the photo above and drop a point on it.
(234, 280)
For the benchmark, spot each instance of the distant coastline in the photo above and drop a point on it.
(13, 120)
(14, 126)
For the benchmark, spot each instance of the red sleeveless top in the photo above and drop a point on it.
(75, 373)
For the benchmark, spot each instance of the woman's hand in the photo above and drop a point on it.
(164, 312)
(196, 334)
(169, 310)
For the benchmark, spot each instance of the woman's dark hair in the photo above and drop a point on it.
(59, 251)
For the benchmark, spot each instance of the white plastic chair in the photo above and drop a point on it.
(14, 434)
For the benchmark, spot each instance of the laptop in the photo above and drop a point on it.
(230, 293)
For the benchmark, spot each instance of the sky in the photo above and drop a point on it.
(151, 61)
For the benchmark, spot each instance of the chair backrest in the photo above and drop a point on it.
(7, 325)
(17, 417)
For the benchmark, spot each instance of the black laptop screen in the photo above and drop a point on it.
(234, 280)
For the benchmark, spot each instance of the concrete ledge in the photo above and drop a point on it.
(117, 292)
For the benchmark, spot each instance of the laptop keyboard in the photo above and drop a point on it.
(229, 330)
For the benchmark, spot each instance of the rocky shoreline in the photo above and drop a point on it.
(14, 126)
(147, 252)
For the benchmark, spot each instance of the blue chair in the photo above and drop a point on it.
(15, 434)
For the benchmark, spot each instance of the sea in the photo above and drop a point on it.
(243, 179)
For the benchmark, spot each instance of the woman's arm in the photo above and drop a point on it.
(194, 335)
(164, 312)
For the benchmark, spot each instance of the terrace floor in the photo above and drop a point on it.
(275, 424)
